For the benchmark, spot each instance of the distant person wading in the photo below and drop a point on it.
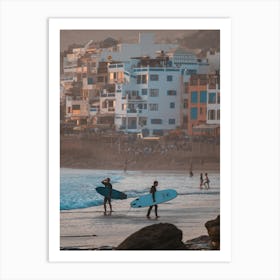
(206, 182)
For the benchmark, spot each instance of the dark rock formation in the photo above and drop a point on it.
(162, 236)
(202, 242)
(213, 228)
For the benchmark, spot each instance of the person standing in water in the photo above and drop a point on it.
(153, 191)
(107, 184)
(201, 180)
(206, 182)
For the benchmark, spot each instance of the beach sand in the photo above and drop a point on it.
(89, 228)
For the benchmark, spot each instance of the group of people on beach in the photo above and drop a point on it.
(204, 182)
(107, 199)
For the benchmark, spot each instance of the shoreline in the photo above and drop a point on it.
(100, 152)
(148, 171)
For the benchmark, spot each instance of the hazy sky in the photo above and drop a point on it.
(69, 37)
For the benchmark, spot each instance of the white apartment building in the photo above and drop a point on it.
(150, 102)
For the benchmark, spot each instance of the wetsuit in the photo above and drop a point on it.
(153, 191)
(107, 198)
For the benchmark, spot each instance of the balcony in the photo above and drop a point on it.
(135, 98)
(107, 95)
(131, 111)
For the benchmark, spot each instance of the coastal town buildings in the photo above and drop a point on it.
(144, 87)
(204, 105)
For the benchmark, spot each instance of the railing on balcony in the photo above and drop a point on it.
(107, 95)
(133, 97)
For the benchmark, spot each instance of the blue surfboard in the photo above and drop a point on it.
(115, 194)
(160, 197)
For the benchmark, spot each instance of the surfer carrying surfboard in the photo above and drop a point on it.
(153, 191)
(107, 184)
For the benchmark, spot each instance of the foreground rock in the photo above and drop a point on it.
(202, 242)
(213, 228)
(162, 236)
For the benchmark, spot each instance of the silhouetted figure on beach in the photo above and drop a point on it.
(125, 165)
(107, 184)
(201, 180)
(206, 182)
(153, 191)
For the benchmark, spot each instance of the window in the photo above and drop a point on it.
(203, 97)
(171, 92)
(169, 78)
(193, 113)
(100, 79)
(203, 82)
(154, 92)
(142, 79)
(142, 121)
(201, 111)
(113, 76)
(212, 98)
(153, 107)
(211, 115)
(218, 98)
(185, 103)
(212, 83)
(110, 103)
(144, 91)
(145, 106)
(134, 93)
(156, 121)
(218, 114)
(75, 107)
(172, 105)
(194, 97)
(171, 121)
(193, 82)
(90, 81)
(154, 77)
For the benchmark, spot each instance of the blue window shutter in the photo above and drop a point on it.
(203, 97)
(212, 98)
(193, 113)
(90, 81)
(194, 96)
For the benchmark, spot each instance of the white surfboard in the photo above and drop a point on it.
(160, 197)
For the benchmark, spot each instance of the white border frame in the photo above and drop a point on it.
(57, 24)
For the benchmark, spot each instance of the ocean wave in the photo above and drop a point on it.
(77, 188)
(204, 192)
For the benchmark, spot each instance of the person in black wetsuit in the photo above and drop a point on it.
(107, 184)
(153, 191)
